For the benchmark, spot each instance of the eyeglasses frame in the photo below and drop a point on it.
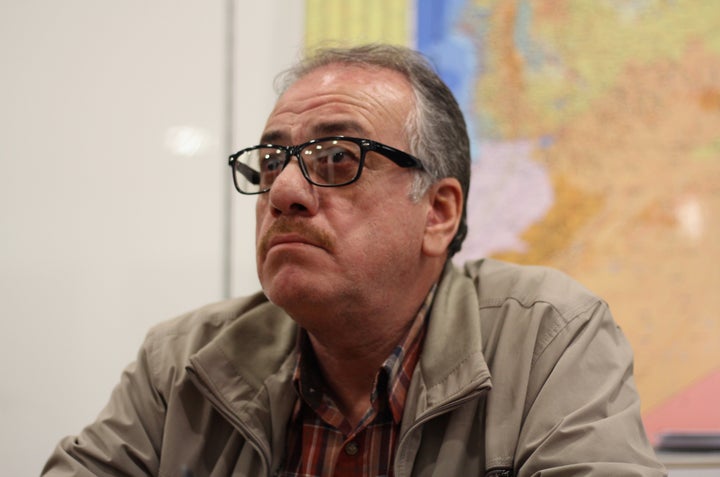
(401, 158)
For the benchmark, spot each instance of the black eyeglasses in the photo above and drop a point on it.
(328, 162)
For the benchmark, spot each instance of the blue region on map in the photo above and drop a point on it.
(509, 191)
(452, 53)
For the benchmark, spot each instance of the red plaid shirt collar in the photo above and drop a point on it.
(316, 413)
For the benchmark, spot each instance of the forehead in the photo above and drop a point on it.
(342, 99)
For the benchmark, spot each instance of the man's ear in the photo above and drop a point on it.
(443, 219)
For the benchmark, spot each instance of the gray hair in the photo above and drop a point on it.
(436, 127)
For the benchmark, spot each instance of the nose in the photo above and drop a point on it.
(291, 193)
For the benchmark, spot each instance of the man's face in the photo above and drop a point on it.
(347, 249)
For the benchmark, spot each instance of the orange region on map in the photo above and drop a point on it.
(640, 209)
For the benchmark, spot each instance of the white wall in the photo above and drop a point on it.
(113, 189)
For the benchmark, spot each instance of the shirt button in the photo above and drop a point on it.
(352, 448)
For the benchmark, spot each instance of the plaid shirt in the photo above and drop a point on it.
(321, 442)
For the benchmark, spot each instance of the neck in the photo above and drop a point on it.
(349, 370)
(349, 361)
(352, 343)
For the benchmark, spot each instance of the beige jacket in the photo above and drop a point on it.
(523, 372)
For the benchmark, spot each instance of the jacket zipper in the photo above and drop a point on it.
(252, 438)
(436, 412)
(499, 473)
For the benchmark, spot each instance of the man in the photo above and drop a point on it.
(368, 353)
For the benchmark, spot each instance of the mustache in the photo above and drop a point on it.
(307, 231)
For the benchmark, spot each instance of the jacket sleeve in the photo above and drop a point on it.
(581, 412)
(126, 436)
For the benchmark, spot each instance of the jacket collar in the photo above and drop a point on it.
(256, 345)
(452, 364)
(258, 348)
(246, 372)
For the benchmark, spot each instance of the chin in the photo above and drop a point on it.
(296, 304)
(286, 292)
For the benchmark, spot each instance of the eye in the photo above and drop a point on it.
(336, 155)
(333, 161)
(270, 163)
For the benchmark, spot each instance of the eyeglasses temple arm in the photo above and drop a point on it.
(250, 174)
(401, 158)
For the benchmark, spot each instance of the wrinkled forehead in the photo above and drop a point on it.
(371, 80)
(343, 99)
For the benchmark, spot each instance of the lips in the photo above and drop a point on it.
(293, 232)
(289, 239)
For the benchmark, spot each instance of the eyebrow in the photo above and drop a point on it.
(271, 137)
(338, 128)
(342, 128)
